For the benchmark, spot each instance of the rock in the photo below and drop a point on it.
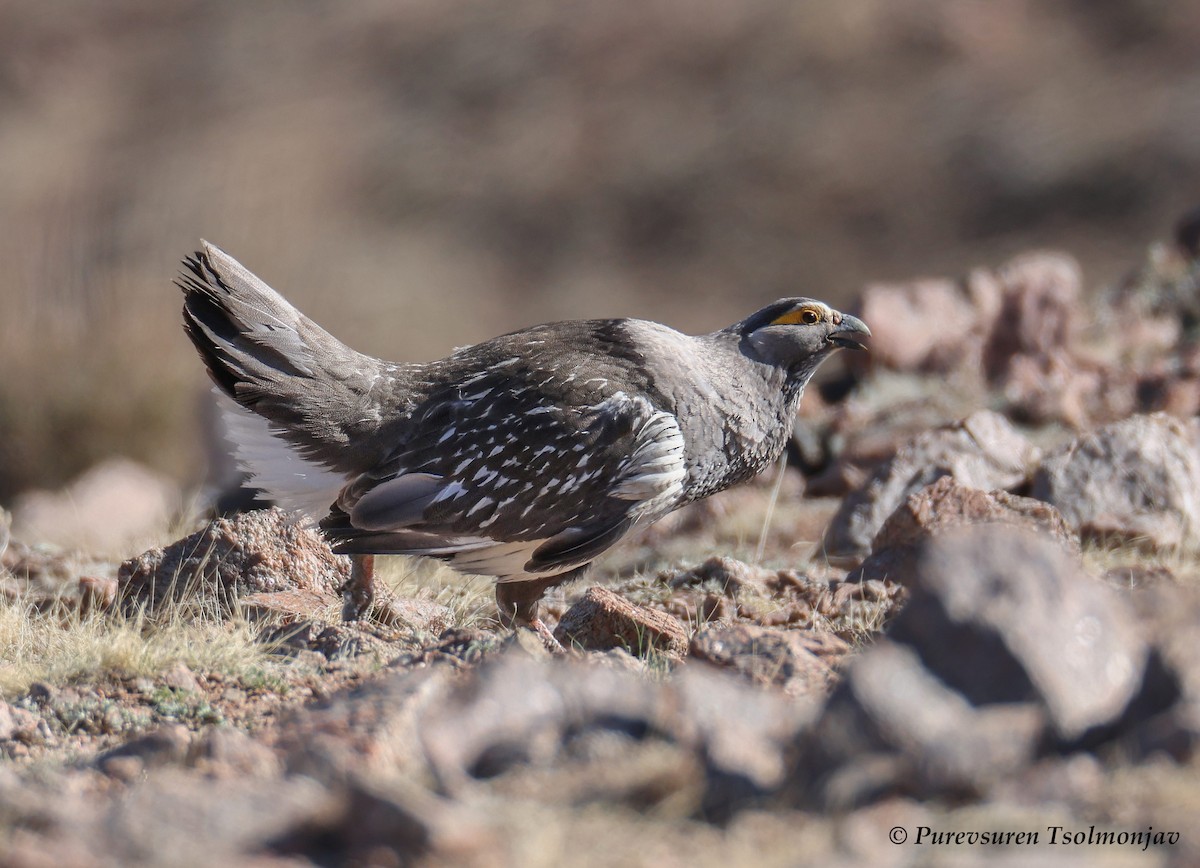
(1039, 311)
(49, 579)
(741, 734)
(97, 593)
(943, 506)
(369, 727)
(1003, 650)
(884, 413)
(1135, 481)
(418, 616)
(180, 677)
(1171, 384)
(727, 575)
(348, 641)
(257, 552)
(948, 504)
(893, 728)
(1166, 719)
(167, 745)
(175, 817)
(904, 335)
(699, 730)
(227, 753)
(116, 506)
(1031, 357)
(1064, 388)
(380, 820)
(291, 603)
(603, 619)
(787, 659)
(982, 451)
(1002, 615)
(23, 726)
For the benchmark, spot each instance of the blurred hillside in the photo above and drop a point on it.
(425, 174)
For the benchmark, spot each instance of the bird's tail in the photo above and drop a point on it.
(313, 402)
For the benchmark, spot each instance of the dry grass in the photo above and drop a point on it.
(470, 599)
(67, 646)
(1100, 557)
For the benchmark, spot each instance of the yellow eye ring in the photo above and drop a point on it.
(809, 317)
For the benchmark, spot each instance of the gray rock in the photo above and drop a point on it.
(1004, 649)
(174, 817)
(983, 451)
(893, 727)
(703, 730)
(1137, 480)
(1002, 615)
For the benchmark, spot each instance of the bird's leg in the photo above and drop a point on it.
(517, 603)
(359, 591)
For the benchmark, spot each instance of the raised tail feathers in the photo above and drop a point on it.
(317, 396)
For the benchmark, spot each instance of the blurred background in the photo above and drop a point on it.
(422, 174)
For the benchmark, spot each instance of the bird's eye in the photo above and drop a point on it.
(809, 317)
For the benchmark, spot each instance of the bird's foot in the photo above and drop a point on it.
(359, 591)
(540, 630)
(355, 606)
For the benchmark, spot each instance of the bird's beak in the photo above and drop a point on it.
(850, 333)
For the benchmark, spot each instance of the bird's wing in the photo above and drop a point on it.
(504, 480)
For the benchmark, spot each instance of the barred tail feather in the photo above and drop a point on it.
(317, 396)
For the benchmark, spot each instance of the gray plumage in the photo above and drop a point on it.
(523, 457)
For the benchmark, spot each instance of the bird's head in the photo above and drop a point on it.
(798, 333)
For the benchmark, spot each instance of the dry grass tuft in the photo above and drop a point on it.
(470, 599)
(1102, 556)
(63, 647)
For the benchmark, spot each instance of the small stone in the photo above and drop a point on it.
(163, 746)
(180, 677)
(766, 656)
(603, 619)
(225, 752)
(97, 593)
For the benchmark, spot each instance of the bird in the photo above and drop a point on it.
(523, 457)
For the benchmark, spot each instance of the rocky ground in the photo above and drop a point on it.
(964, 633)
